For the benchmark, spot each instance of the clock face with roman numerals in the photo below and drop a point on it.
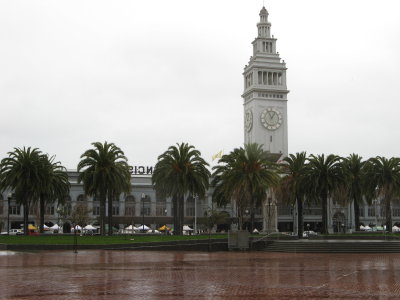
(271, 118)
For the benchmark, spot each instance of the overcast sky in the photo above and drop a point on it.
(148, 74)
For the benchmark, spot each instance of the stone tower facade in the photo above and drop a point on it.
(265, 105)
(265, 93)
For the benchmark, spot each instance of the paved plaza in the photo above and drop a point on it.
(120, 275)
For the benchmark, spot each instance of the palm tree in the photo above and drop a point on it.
(243, 177)
(323, 177)
(55, 185)
(104, 172)
(353, 167)
(21, 173)
(383, 182)
(291, 188)
(180, 171)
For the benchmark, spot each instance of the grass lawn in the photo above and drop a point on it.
(99, 240)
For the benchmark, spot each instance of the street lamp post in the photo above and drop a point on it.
(143, 198)
(8, 213)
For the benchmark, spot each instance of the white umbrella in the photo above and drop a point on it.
(142, 227)
(362, 227)
(187, 228)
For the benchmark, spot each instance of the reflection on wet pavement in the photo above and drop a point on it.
(197, 275)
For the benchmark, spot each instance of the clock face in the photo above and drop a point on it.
(248, 120)
(271, 118)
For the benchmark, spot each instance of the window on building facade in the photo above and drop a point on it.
(270, 78)
(190, 208)
(361, 211)
(33, 209)
(371, 211)
(49, 210)
(15, 210)
(161, 207)
(96, 210)
(66, 209)
(145, 211)
(115, 210)
(161, 211)
(145, 206)
(129, 211)
(1, 209)
(190, 211)
(396, 212)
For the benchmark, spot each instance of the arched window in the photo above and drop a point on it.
(161, 206)
(145, 206)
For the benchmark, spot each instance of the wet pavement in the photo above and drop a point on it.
(120, 275)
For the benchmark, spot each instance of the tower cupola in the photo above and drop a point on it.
(264, 27)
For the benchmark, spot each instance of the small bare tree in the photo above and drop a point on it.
(79, 217)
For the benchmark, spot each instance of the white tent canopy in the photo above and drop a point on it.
(55, 227)
(89, 227)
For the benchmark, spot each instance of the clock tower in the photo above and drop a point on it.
(265, 93)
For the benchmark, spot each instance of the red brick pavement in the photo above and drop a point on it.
(121, 275)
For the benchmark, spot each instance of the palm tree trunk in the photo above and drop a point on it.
(110, 215)
(41, 212)
(180, 215)
(300, 220)
(102, 213)
(388, 208)
(324, 200)
(356, 214)
(240, 218)
(175, 212)
(26, 216)
(251, 219)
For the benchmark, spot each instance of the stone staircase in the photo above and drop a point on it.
(329, 246)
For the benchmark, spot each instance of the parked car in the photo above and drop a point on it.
(309, 233)
(13, 232)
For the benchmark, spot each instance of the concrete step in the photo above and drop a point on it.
(332, 246)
